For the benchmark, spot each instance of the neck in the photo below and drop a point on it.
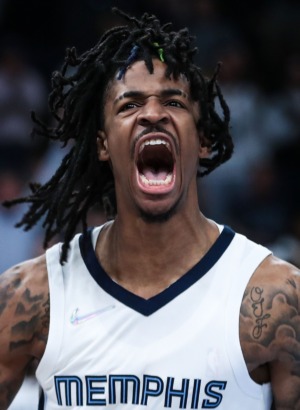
(147, 257)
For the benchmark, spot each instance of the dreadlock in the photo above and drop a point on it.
(76, 103)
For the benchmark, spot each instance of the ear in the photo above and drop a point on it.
(204, 147)
(102, 146)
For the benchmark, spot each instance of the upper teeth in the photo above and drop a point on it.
(157, 141)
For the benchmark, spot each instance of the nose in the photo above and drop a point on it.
(153, 112)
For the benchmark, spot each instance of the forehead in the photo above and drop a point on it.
(138, 78)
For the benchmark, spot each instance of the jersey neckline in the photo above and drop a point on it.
(149, 306)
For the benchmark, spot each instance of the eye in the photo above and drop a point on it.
(175, 103)
(128, 106)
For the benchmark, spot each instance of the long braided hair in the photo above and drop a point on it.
(76, 103)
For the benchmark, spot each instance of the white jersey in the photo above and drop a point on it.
(108, 348)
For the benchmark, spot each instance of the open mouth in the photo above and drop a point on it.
(155, 163)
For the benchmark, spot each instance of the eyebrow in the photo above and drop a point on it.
(169, 92)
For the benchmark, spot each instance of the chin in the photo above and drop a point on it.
(155, 218)
(159, 216)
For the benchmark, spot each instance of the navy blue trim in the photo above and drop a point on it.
(41, 401)
(148, 306)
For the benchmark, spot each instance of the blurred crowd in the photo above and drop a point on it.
(257, 192)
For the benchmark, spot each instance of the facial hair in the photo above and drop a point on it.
(152, 218)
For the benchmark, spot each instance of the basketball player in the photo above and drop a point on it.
(159, 307)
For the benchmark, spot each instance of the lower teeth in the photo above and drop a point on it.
(156, 182)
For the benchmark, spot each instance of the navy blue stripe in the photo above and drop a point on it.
(41, 401)
(148, 306)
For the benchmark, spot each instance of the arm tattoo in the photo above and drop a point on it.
(30, 299)
(46, 315)
(257, 299)
(6, 293)
(271, 313)
(33, 313)
(292, 283)
(45, 321)
(21, 310)
(24, 321)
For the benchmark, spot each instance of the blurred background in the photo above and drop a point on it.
(257, 192)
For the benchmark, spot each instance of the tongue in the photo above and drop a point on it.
(152, 175)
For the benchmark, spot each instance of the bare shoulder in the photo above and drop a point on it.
(277, 282)
(279, 270)
(270, 329)
(24, 322)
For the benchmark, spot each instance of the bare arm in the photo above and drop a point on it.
(24, 321)
(270, 330)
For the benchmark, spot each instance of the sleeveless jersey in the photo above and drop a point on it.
(109, 348)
